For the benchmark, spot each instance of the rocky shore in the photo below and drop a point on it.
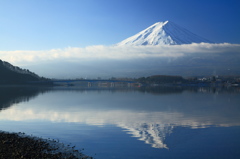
(21, 146)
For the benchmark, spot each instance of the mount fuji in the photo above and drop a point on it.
(163, 33)
(162, 49)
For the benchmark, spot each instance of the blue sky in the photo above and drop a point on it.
(53, 24)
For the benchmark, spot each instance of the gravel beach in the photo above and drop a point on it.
(19, 145)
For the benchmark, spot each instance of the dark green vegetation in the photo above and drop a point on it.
(16, 146)
(10, 74)
(219, 81)
(161, 79)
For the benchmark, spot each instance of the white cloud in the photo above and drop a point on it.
(128, 61)
(21, 57)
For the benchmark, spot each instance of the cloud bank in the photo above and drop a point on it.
(100, 52)
(129, 61)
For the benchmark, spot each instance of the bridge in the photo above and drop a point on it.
(91, 82)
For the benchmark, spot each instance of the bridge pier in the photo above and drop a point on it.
(89, 84)
(112, 84)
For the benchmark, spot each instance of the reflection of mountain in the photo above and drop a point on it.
(158, 90)
(150, 118)
(13, 95)
(162, 90)
(153, 134)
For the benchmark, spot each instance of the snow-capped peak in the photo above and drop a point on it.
(163, 33)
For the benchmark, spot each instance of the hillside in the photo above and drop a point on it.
(10, 74)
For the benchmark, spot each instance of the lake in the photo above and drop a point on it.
(116, 123)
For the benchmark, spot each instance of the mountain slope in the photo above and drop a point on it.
(163, 33)
(10, 74)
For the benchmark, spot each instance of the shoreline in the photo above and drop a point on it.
(20, 145)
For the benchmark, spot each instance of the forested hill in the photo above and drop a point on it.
(10, 74)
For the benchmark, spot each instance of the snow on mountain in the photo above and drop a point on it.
(151, 133)
(163, 33)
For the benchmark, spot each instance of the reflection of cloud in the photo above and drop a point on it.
(115, 52)
(150, 127)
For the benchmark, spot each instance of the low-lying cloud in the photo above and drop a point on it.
(129, 61)
(22, 57)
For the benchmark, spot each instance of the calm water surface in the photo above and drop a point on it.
(129, 123)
